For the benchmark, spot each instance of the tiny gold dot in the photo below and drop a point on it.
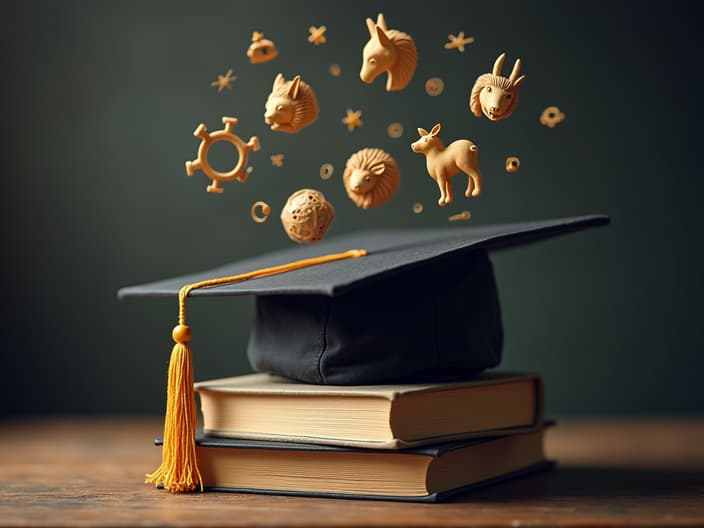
(395, 130)
(434, 86)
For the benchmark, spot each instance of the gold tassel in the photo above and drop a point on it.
(179, 471)
(179, 468)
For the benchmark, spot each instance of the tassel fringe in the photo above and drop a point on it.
(179, 468)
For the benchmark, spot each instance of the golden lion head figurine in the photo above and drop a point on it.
(291, 105)
(495, 96)
(371, 177)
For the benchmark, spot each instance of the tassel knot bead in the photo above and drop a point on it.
(181, 333)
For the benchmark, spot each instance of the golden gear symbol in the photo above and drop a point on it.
(201, 162)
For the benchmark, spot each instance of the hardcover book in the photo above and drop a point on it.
(425, 474)
(268, 407)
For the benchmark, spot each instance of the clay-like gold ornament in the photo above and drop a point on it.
(512, 164)
(306, 216)
(445, 162)
(265, 210)
(201, 163)
(391, 51)
(371, 177)
(261, 49)
(495, 96)
(552, 116)
(291, 105)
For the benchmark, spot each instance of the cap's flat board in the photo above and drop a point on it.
(390, 251)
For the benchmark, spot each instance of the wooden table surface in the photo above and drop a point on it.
(617, 472)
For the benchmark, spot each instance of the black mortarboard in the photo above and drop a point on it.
(420, 306)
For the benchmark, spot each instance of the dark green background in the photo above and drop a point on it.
(98, 107)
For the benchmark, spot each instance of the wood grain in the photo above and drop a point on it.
(617, 472)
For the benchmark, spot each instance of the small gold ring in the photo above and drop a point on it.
(266, 211)
(326, 171)
(512, 164)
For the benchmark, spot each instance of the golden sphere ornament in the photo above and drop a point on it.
(306, 216)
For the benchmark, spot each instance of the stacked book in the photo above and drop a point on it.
(267, 434)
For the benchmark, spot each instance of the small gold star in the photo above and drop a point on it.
(352, 119)
(224, 81)
(277, 160)
(317, 35)
(458, 41)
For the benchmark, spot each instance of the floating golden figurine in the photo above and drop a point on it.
(395, 130)
(512, 164)
(495, 96)
(317, 35)
(291, 105)
(261, 49)
(306, 216)
(239, 172)
(371, 177)
(552, 116)
(326, 171)
(277, 160)
(266, 211)
(391, 51)
(335, 70)
(445, 162)
(353, 119)
(464, 215)
(224, 81)
(434, 86)
(458, 41)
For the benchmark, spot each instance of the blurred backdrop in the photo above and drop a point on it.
(99, 103)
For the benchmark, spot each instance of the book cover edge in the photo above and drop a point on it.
(489, 378)
(432, 498)
(434, 450)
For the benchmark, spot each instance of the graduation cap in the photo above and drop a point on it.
(372, 307)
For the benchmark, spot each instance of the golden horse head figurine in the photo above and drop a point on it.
(391, 51)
